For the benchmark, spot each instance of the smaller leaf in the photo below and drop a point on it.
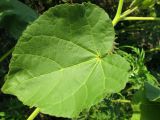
(143, 109)
(152, 92)
(15, 16)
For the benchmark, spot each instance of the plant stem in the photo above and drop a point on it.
(153, 50)
(6, 54)
(118, 14)
(141, 18)
(121, 101)
(127, 12)
(34, 114)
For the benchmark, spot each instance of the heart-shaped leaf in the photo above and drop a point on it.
(63, 64)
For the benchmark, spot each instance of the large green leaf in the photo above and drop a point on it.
(15, 16)
(63, 64)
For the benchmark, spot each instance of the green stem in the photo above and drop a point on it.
(153, 50)
(121, 101)
(127, 12)
(34, 114)
(6, 54)
(118, 14)
(141, 18)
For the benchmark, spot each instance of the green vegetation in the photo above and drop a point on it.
(80, 60)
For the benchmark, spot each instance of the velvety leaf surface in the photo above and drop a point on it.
(63, 64)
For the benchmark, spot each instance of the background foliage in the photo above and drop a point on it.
(137, 41)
